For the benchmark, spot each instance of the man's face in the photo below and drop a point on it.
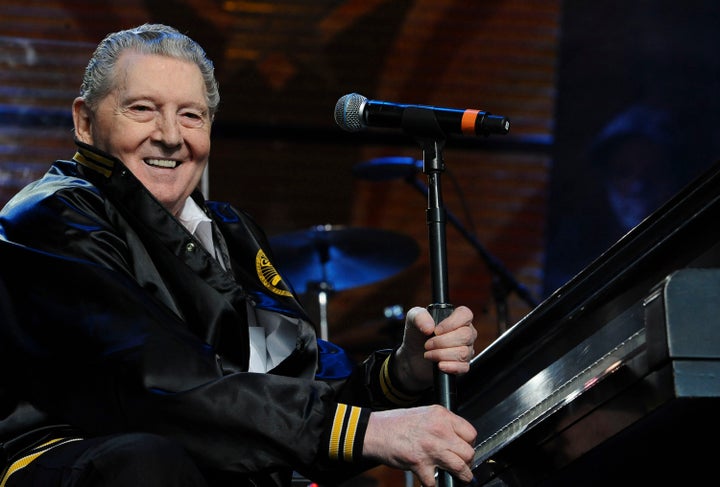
(156, 121)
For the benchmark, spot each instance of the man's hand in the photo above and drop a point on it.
(450, 345)
(420, 440)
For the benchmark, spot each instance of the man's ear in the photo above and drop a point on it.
(82, 120)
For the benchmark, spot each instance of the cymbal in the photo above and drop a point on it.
(386, 168)
(339, 257)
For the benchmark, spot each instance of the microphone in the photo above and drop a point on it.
(354, 112)
(387, 168)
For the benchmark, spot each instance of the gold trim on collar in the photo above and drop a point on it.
(101, 164)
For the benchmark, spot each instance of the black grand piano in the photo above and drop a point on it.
(615, 378)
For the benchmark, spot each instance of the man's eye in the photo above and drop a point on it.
(141, 113)
(192, 119)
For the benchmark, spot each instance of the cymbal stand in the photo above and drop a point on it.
(322, 290)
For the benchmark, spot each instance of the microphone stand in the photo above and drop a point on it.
(503, 283)
(440, 308)
(431, 137)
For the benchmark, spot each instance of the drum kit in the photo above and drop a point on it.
(330, 258)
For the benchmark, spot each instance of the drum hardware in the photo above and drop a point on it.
(325, 259)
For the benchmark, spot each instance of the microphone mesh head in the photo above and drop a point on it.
(348, 112)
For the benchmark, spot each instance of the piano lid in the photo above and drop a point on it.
(583, 351)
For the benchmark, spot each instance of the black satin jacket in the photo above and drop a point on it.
(121, 321)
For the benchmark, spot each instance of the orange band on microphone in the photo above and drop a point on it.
(467, 124)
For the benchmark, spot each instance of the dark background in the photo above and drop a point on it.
(614, 55)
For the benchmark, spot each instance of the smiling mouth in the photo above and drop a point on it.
(162, 163)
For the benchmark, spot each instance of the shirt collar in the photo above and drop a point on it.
(191, 216)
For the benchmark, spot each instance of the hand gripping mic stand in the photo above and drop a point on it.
(425, 126)
(440, 308)
(427, 131)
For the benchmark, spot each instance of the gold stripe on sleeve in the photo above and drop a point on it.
(338, 421)
(351, 432)
(390, 391)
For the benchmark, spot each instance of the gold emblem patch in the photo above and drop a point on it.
(268, 275)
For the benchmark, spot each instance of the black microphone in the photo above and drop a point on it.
(354, 112)
(386, 168)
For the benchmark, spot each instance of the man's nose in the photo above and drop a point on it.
(167, 130)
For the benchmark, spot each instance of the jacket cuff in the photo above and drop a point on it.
(391, 388)
(346, 434)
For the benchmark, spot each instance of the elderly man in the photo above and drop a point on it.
(176, 354)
